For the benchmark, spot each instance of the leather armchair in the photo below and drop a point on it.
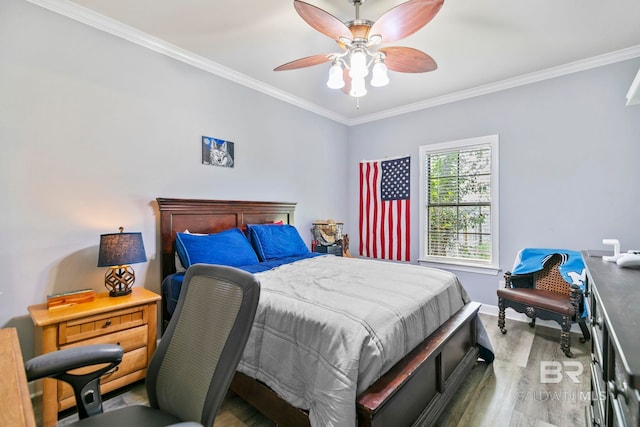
(545, 295)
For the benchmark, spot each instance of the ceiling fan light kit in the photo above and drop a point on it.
(359, 40)
(379, 76)
(335, 76)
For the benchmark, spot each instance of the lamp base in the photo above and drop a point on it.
(119, 280)
(119, 293)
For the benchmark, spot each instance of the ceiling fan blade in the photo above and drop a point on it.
(405, 19)
(304, 62)
(322, 21)
(407, 60)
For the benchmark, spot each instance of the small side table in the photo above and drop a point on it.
(332, 249)
(129, 321)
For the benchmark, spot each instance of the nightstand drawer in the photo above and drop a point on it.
(101, 324)
(132, 361)
(129, 339)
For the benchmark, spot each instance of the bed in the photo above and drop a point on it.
(363, 370)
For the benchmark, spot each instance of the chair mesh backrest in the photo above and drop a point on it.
(550, 278)
(210, 310)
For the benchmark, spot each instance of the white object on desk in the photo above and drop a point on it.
(616, 250)
(629, 260)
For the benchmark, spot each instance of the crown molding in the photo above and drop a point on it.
(525, 79)
(113, 27)
(108, 25)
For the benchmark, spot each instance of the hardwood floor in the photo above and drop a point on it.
(530, 383)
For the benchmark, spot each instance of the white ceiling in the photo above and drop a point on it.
(479, 45)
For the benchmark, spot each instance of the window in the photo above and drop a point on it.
(459, 204)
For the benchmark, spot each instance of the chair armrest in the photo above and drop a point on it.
(58, 362)
(86, 387)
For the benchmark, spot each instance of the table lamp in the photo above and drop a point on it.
(118, 251)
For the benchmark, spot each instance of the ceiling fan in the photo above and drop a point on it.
(359, 40)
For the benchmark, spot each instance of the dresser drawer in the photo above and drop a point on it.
(597, 361)
(101, 324)
(625, 400)
(598, 394)
(597, 323)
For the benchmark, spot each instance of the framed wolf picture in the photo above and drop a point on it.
(217, 152)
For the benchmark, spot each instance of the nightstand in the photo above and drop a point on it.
(129, 321)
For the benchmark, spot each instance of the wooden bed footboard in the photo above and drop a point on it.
(414, 392)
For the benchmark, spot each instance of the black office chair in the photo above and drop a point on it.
(191, 370)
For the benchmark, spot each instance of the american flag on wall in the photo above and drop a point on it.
(384, 209)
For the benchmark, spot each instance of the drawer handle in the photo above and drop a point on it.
(613, 389)
(591, 420)
(111, 372)
(107, 323)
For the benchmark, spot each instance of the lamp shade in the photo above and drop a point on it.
(120, 249)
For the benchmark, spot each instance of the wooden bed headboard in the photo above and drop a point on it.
(212, 216)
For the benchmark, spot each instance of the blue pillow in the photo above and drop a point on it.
(229, 247)
(272, 241)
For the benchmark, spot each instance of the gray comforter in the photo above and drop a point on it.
(328, 327)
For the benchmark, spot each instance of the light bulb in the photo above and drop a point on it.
(358, 64)
(358, 88)
(336, 81)
(379, 76)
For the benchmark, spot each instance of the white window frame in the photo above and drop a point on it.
(485, 267)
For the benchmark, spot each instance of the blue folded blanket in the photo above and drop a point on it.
(572, 268)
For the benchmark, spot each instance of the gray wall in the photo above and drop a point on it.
(569, 161)
(94, 128)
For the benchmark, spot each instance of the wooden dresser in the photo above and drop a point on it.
(129, 321)
(614, 311)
